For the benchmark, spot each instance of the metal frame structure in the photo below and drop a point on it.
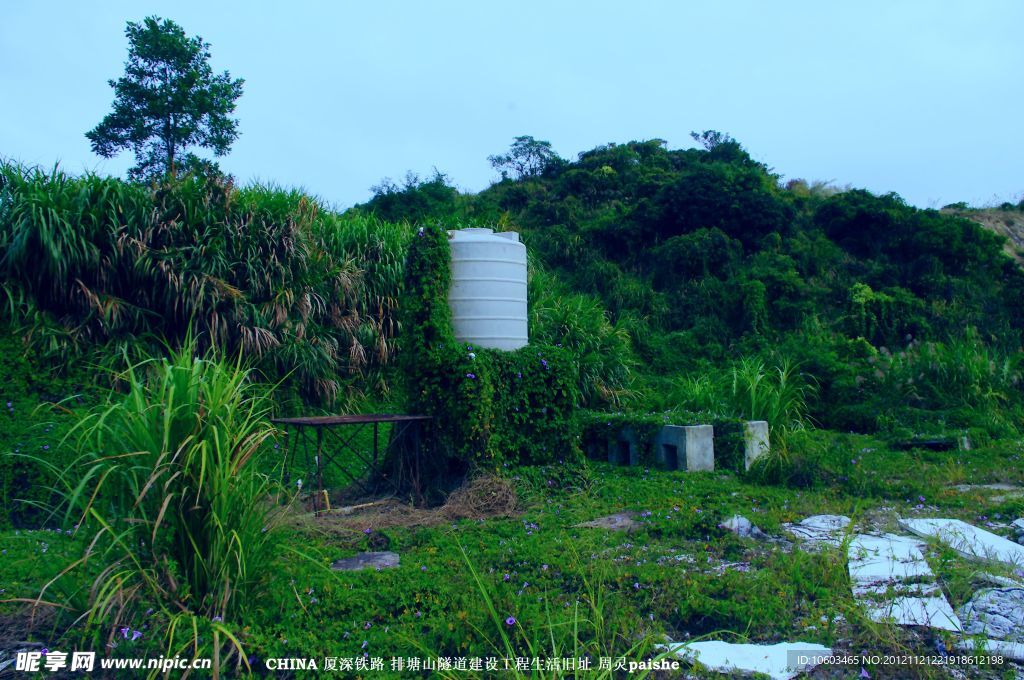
(328, 444)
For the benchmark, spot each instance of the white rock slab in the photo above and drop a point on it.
(968, 540)
(742, 527)
(995, 613)
(891, 578)
(820, 528)
(780, 661)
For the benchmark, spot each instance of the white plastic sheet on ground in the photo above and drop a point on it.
(968, 540)
(894, 582)
(780, 661)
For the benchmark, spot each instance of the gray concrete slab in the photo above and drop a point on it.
(755, 441)
(686, 447)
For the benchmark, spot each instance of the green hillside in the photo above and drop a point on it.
(702, 256)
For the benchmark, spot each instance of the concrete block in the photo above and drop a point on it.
(685, 447)
(623, 449)
(755, 440)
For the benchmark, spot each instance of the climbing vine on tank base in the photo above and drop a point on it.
(488, 407)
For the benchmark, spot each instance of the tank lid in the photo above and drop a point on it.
(477, 232)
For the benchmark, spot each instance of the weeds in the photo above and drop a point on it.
(179, 521)
(587, 632)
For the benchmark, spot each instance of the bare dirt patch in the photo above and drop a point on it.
(482, 497)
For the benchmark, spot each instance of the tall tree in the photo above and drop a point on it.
(527, 157)
(167, 101)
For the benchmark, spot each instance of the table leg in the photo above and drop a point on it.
(319, 471)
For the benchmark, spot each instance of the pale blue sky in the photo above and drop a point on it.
(922, 98)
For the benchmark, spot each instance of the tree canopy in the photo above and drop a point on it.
(167, 101)
(527, 157)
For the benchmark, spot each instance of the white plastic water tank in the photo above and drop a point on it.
(488, 290)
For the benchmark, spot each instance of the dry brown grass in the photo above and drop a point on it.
(483, 497)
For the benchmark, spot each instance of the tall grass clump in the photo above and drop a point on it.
(181, 522)
(777, 394)
(962, 382)
(260, 270)
(750, 389)
(601, 350)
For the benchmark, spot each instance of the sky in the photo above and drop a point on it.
(921, 98)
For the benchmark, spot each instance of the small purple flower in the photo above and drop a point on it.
(636, 585)
(367, 531)
(506, 578)
(544, 363)
(124, 632)
(921, 498)
(519, 375)
(864, 673)
(10, 405)
(46, 447)
(217, 619)
(365, 644)
(510, 621)
(471, 376)
(136, 635)
(418, 615)
(367, 626)
(44, 651)
(423, 568)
